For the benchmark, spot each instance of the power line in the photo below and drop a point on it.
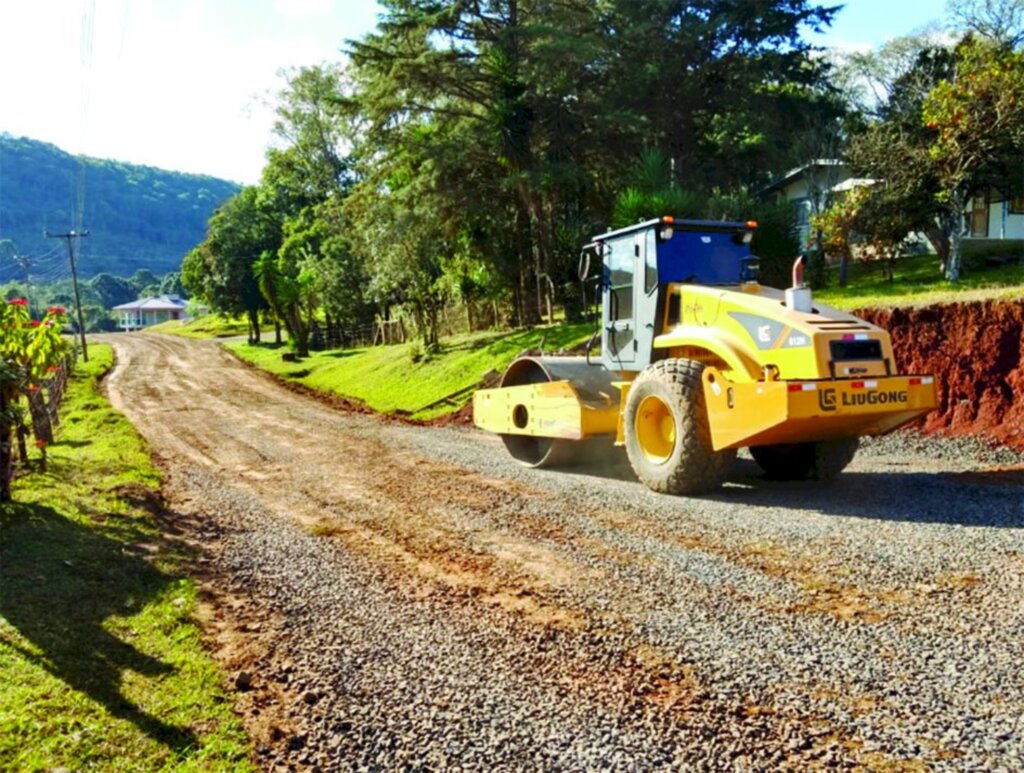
(52, 276)
(88, 30)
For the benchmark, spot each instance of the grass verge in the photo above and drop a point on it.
(101, 661)
(917, 281)
(206, 326)
(401, 378)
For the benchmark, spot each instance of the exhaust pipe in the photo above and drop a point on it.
(798, 297)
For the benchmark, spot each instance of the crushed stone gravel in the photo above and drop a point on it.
(408, 597)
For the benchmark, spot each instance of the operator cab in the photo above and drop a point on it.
(640, 260)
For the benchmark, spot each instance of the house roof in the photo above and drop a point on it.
(161, 303)
(850, 183)
(800, 171)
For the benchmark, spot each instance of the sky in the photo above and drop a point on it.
(187, 84)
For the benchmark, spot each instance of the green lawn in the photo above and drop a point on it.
(917, 281)
(388, 379)
(101, 662)
(206, 326)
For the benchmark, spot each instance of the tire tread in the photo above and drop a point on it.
(695, 468)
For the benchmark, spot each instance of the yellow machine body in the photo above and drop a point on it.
(565, 398)
(772, 375)
(749, 328)
(773, 412)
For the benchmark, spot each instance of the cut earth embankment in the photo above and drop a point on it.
(976, 352)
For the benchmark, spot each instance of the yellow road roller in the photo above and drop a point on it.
(697, 360)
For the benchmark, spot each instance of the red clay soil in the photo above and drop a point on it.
(976, 352)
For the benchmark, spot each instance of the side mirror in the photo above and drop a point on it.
(584, 266)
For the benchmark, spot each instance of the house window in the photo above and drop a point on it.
(979, 216)
(1017, 205)
(803, 213)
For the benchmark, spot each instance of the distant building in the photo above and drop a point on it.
(150, 311)
(811, 189)
(993, 218)
(996, 216)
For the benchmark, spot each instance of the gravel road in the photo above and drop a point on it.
(389, 596)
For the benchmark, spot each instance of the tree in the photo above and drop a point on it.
(312, 121)
(867, 223)
(896, 158)
(287, 281)
(220, 270)
(720, 87)
(952, 126)
(893, 153)
(491, 98)
(142, 279)
(340, 278)
(171, 284)
(1001, 21)
(875, 83)
(653, 193)
(298, 185)
(403, 246)
(978, 118)
(114, 290)
(525, 116)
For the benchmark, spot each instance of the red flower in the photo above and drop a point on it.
(35, 323)
(33, 387)
(18, 301)
(52, 369)
(40, 443)
(57, 310)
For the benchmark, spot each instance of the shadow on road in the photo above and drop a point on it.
(993, 498)
(977, 499)
(59, 583)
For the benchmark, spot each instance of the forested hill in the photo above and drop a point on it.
(137, 216)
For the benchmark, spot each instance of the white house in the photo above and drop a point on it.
(992, 217)
(150, 311)
(810, 188)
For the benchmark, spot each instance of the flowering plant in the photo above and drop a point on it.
(28, 350)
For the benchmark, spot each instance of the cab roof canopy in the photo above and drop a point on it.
(680, 224)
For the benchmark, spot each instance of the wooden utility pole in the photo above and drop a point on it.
(69, 237)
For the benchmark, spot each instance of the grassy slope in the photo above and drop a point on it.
(918, 282)
(206, 326)
(100, 661)
(387, 379)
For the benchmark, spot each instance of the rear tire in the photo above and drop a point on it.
(667, 431)
(799, 461)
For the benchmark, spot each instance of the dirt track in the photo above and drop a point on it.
(403, 596)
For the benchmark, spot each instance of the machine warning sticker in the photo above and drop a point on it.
(765, 332)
